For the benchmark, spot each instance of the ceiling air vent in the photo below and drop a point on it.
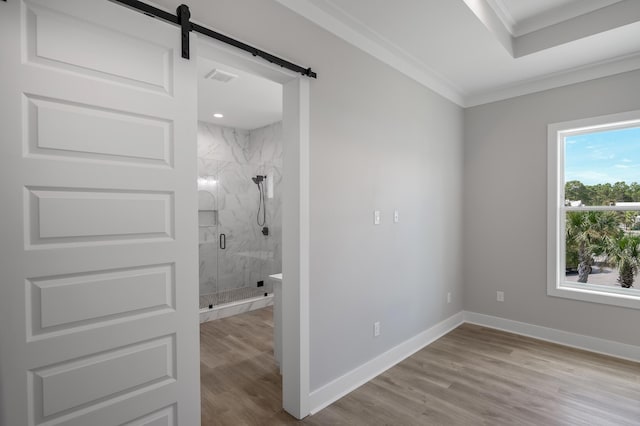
(219, 75)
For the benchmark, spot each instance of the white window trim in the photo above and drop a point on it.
(556, 284)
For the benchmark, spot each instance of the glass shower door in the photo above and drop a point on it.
(208, 235)
(239, 230)
(239, 265)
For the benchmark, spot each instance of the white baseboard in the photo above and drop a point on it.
(336, 389)
(580, 341)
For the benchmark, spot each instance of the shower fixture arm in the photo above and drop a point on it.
(259, 181)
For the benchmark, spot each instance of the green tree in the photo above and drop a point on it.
(621, 192)
(575, 190)
(587, 235)
(601, 194)
(624, 253)
(634, 191)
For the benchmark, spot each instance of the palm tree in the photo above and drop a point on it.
(624, 252)
(586, 235)
(629, 219)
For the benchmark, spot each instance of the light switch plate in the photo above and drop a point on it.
(396, 216)
(376, 217)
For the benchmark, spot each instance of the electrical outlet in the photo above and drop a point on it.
(449, 297)
(500, 296)
(376, 329)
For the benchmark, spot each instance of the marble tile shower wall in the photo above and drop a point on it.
(228, 204)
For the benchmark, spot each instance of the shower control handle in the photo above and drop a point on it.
(223, 241)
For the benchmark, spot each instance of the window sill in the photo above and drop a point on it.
(594, 294)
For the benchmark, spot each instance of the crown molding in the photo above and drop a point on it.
(503, 14)
(364, 38)
(559, 79)
(560, 14)
(546, 18)
(495, 21)
(346, 27)
(610, 18)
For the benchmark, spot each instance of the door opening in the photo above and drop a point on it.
(283, 204)
(240, 154)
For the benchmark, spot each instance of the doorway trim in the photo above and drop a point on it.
(295, 218)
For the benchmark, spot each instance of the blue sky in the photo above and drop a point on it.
(603, 157)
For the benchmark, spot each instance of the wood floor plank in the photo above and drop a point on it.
(472, 376)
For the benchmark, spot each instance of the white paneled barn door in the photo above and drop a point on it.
(98, 261)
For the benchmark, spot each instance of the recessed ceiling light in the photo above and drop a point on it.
(218, 115)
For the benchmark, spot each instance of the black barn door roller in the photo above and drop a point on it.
(182, 19)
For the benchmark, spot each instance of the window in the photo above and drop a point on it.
(593, 242)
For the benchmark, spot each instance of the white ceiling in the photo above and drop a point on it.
(478, 51)
(247, 102)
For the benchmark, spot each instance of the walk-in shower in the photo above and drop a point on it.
(239, 228)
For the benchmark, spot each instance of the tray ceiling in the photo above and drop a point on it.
(478, 51)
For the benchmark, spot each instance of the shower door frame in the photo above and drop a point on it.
(295, 218)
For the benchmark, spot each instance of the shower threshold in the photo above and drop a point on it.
(235, 307)
(223, 297)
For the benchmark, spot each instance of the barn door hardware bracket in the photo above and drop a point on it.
(184, 15)
(182, 19)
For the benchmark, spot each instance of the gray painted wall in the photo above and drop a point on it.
(505, 200)
(378, 141)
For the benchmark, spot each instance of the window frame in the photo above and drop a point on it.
(557, 286)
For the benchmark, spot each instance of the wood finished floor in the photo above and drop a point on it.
(471, 376)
